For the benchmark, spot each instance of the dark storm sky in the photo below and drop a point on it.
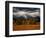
(16, 9)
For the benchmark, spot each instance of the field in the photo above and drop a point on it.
(25, 24)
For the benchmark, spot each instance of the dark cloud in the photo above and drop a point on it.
(16, 9)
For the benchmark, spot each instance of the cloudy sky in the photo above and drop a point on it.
(23, 11)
